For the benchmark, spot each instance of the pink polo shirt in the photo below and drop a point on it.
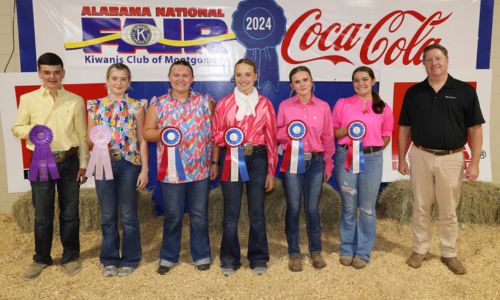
(316, 115)
(351, 109)
(259, 130)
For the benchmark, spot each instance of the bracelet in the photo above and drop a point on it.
(342, 132)
(216, 162)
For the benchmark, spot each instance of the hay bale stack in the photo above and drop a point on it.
(275, 206)
(24, 212)
(479, 202)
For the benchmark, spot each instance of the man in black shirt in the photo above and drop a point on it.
(438, 112)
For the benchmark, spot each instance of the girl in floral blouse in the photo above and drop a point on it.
(124, 117)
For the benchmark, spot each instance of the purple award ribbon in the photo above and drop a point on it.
(42, 161)
(99, 160)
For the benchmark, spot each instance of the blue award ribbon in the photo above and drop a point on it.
(242, 167)
(356, 131)
(260, 25)
(234, 138)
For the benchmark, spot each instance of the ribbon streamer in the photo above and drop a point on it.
(99, 160)
(293, 159)
(234, 161)
(42, 161)
(355, 157)
(171, 162)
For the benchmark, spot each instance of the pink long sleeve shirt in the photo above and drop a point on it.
(316, 115)
(259, 130)
(350, 109)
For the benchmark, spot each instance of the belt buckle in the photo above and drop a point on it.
(247, 150)
(308, 155)
(59, 156)
(115, 155)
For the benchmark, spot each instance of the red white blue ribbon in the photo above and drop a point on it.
(171, 161)
(234, 161)
(355, 158)
(293, 159)
(42, 161)
(99, 160)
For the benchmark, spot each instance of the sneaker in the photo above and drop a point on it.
(228, 271)
(110, 271)
(359, 263)
(295, 263)
(125, 271)
(346, 260)
(416, 259)
(454, 265)
(203, 267)
(260, 270)
(162, 270)
(33, 270)
(73, 267)
(317, 261)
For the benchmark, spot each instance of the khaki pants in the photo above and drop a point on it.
(435, 177)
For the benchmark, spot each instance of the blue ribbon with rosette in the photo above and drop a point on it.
(294, 153)
(42, 161)
(356, 131)
(260, 26)
(234, 162)
(171, 161)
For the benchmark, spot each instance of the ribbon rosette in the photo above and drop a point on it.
(99, 160)
(234, 162)
(42, 161)
(260, 25)
(356, 131)
(171, 161)
(294, 153)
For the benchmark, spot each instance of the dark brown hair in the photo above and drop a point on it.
(181, 63)
(377, 104)
(435, 46)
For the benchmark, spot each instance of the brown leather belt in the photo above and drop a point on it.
(439, 152)
(250, 149)
(370, 149)
(60, 156)
(115, 154)
(312, 155)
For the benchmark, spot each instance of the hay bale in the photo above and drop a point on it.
(479, 202)
(275, 206)
(90, 219)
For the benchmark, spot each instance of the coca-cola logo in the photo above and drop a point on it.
(400, 35)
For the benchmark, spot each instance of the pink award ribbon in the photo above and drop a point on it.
(42, 161)
(99, 160)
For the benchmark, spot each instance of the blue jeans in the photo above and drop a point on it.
(258, 252)
(357, 234)
(309, 184)
(120, 194)
(43, 195)
(175, 196)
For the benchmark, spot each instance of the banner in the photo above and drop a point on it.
(332, 38)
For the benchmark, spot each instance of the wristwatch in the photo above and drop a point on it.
(216, 162)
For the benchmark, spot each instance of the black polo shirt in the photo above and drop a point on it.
(440, 120)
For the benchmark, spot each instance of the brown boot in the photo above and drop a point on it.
(454, 265)
(317, 261)
(295, 263)
(359, 263)
(415, 260)
(346, 260)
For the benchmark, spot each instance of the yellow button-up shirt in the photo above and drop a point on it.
(64, 115)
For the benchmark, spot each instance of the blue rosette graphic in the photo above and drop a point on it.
(260, 26)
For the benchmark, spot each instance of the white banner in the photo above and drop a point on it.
(331, 37)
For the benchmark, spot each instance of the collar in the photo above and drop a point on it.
(172, 98)
(450, 82)
(313, 100)
(45, 92)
